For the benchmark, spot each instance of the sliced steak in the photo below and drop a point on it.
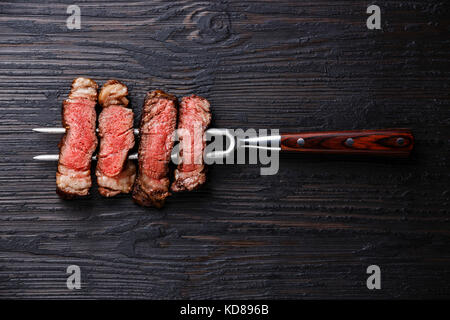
(115, 173)
(159, 117)
(73, 177)
(194, 118)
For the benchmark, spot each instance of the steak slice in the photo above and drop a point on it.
(73, 177)
(158, 121)
(193, 120)
(115, 173)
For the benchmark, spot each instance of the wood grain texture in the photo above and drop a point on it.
(308, 232)
(381, 142)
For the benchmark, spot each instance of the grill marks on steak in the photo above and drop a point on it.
(115, 173)
(194, 118)
(158, 122)
(73, 176)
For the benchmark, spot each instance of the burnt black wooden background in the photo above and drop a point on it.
(308, 232)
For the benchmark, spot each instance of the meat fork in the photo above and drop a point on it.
(227, 134)
(378, 142)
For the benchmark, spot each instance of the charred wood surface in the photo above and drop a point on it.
(309, 231)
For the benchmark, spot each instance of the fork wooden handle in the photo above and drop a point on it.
(385, 142)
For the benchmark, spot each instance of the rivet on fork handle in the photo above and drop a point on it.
(301, 142)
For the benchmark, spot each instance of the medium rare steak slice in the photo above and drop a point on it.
(73, 177)
(194, 118)
(159, 117)
(115, 173)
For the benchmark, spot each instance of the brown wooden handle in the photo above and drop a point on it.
(388, 142)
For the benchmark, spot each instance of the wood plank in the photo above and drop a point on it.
(309, 231)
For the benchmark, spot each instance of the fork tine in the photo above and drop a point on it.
(55, 157)
(212, 131)
(50, 130)
(63, 130)
(136, 131)
(47, 157)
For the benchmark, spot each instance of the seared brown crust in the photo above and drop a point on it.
(190, 181)
(109, 187)
(82, 88)
(114, 93)
(155, 199)
(143, 194)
